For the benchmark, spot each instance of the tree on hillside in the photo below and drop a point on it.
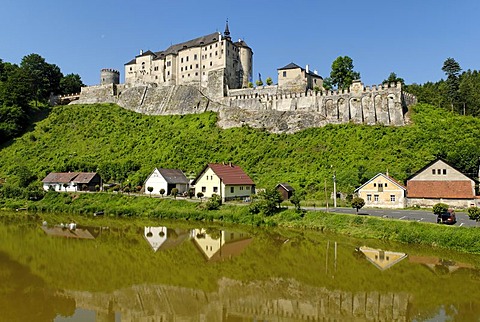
(393, 78)
(469, 91)
(150, 189)
(70, 84)
(342, 74)
(452, 69)
(43, 78)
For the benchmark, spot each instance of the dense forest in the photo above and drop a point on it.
(124, 146)
(25, 90)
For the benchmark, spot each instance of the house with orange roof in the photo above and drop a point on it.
(438, 182)
(229, 181)
(383, 191)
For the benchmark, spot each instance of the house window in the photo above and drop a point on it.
(380, 187)
(204, 189)
(232, 189)
(155, 68)
(433, 171)
(181, 60)
(439, 171)
(444, 172)
(248, 187)
(375, 197)
(392, 198)
(195, 57)
(374, 185)
(385, 184)
(241, 188)
(215, 189)
(130, 68)
(284, 74)
(369, 197)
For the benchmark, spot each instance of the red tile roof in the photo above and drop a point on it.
(440, 189)
(231, 174)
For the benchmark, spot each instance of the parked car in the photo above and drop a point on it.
(448, 217)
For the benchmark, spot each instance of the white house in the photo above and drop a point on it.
(228, 181)
(72, 181)
(166, 179)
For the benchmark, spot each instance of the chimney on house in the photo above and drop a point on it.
(307, 69)
(141, 51)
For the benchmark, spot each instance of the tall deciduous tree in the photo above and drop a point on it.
(393, 78)
(342, 74)
(71, 83)
(452, 69)
(43, 78)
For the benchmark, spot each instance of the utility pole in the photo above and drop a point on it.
(326, 196)
(334, 190)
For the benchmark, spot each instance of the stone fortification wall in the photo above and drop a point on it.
(382, 104)
(263, 107)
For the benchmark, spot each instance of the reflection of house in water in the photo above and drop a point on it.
(80, 232)
(164, 238)
(439, 264)
(220, 244)
(382, 259)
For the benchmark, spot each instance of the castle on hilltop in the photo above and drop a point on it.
(213, 73)
(201, 62)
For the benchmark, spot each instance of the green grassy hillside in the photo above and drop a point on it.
(125, 146)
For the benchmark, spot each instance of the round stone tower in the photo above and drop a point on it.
(246, 56)
(109, 76)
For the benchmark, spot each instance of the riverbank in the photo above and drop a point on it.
(78, 205)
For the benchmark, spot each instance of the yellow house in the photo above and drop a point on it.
(228, 181)
(382, 191)
(382, 259)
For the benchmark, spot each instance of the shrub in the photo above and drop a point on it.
(474, 213)
(214, 202)
(440, 208)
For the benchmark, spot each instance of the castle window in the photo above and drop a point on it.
(130, 68)
(210, 63)
(181, 60)
(188, 75)
(195, 57)
(284, 74)
(210, 46)
(168, 73)
(216, 53)
(183, 76)
(196, 65)
(196, 73)
(210, 55)
(216, 45)
(181, 69)
(143, 65)
(191, 67)
(187, 58)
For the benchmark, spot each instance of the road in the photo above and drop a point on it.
(401, 214)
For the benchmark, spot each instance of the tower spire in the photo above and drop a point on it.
(226, 33)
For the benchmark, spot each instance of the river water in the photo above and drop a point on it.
(176, 272)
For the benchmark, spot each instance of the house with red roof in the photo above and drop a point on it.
(72, 181)
(229, 181)
(438, 182)
(383, 191)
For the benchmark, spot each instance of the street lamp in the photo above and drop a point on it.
(334, 190)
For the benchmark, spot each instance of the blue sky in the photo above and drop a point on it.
(411, 38)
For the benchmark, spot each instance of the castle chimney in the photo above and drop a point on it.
(141, 51)
(306, 69)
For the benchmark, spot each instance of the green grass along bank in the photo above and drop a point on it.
(124, 146)
(80, 207)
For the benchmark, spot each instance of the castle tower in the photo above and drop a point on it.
(109, 76)
(226, 33)
(246, 58)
